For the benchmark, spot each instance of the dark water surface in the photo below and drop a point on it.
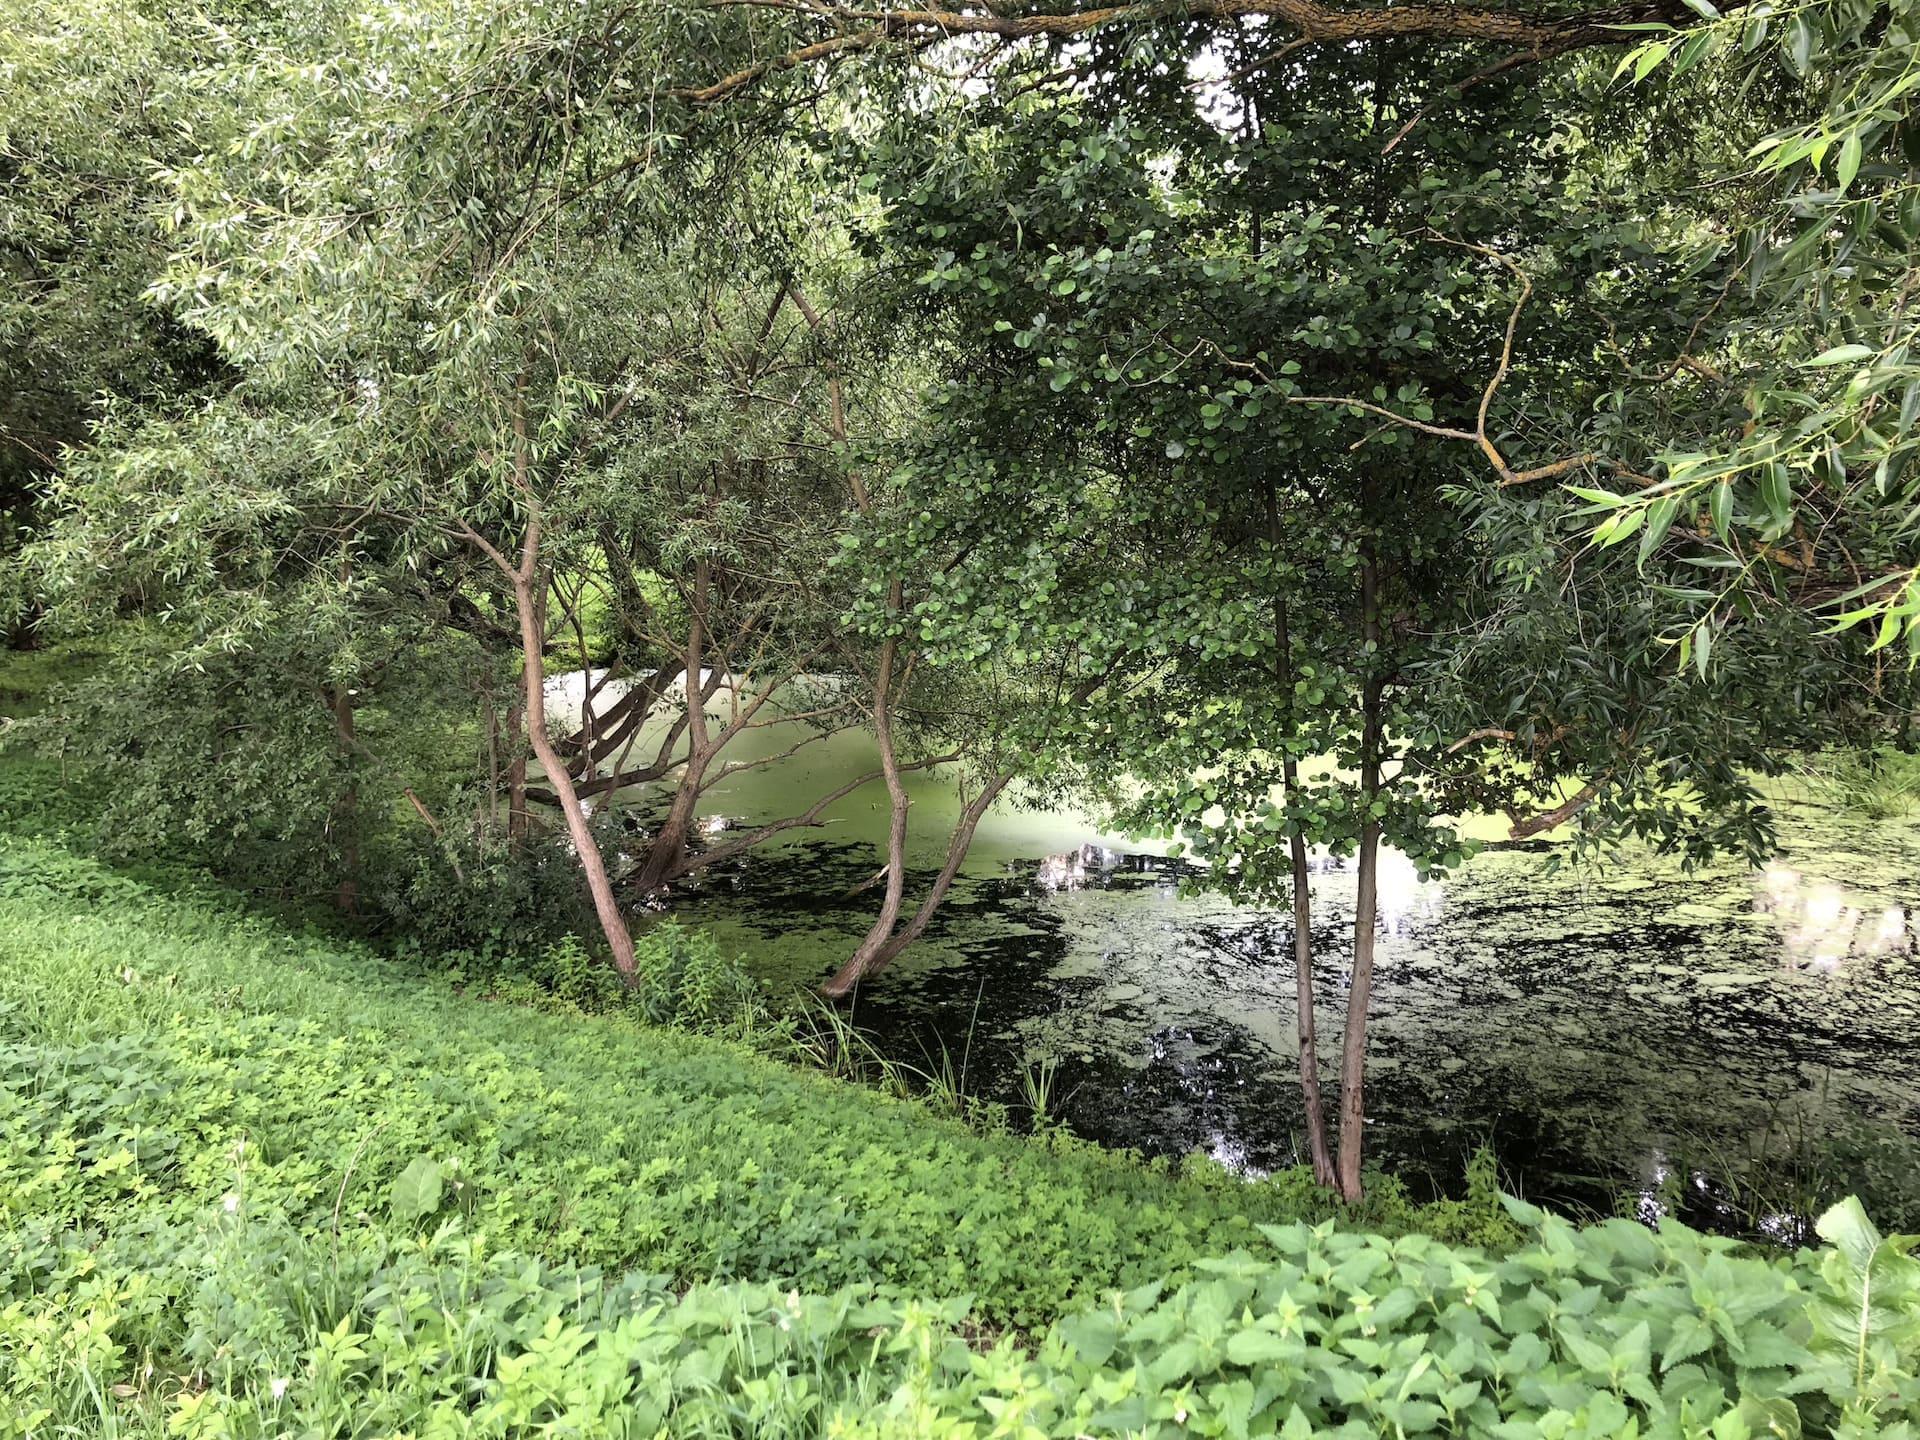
(1621, 1030)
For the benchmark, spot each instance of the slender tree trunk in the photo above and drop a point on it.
(517, 815)
(1353, 1055)
(863, 963)
(867, 955)
(492, 812)
(532, 635)
(529, 590)
(670, 842)
(1315, 1105)
(346, 810)
(1312, 1102)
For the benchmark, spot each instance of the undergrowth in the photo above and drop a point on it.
(259, 1182)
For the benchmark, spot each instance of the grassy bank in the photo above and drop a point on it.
(261, 1182)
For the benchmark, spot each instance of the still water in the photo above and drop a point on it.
(1623, 1030)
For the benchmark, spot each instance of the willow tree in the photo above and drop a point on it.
(92, 97)
(506, 342)
(411, 291)
(1767, 463)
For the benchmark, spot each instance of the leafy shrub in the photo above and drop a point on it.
(687, 983)
(240, 1325)
(470, 902)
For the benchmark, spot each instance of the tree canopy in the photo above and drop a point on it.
(1294, 425)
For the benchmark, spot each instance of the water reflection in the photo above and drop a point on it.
(1822, 925)
(1085, 865)
(1578, 1022)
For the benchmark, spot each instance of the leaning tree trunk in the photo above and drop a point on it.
(528, 583)
(670, 842)
(868, 955)
(1353, 1054)
(612, 923)
(871, 960)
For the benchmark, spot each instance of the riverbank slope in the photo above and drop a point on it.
(258, 1181)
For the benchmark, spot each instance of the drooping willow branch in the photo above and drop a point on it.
(1528, 35)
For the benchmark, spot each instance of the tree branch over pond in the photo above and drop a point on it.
(1529, 35)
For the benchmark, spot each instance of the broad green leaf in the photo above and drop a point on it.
(1841, 355)
(416, 1193)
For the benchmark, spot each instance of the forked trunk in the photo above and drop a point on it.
(871, 951)
(1311, 1101)
(670, 842)
(871, 957)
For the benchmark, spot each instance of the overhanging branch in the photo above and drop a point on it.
(1528, 35)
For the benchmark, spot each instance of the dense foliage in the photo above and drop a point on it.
(1295, 425)
(257, 1184)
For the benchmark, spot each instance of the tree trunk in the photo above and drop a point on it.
(346, 810)
(612, 923)
(1353, 1055)
(868, 954)
(517, 819)
(491, 813)
(1315, 1106)
(869, 961)
(670, 842)
(1312, 1102)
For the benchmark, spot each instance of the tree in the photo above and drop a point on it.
(91, 97)
(1238, 364)
(1783, 472)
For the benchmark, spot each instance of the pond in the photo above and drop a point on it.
(1730, 1044)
